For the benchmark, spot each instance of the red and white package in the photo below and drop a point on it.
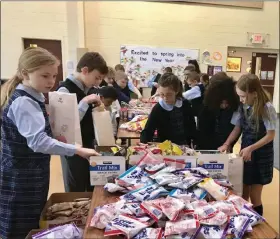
(150, 159)
(219, 219)
(179, 227)
(152, 208)
(176, 163)
(167, 178)
(150, 233)
(135, 209)
(226, 207)
(152, 169)
(128, 225)
(199, 203)
(168, 169)
(238, 225)
(172, 207)
(102, 215)
(205, 212)
(239, 202)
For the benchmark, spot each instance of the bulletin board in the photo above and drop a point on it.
(142, 62)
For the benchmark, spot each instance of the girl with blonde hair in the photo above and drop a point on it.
(27, 143)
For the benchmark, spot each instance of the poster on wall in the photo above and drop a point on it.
(141, 62)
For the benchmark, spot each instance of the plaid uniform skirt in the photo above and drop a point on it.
(23, 194)
(260, 169)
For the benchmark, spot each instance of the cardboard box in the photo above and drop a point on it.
(104, 169)
(224, 166)
(32, 232)
(58, 198)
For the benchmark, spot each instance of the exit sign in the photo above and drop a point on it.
(257, 38)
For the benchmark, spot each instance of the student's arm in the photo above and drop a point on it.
(123, 97)
(147, 134)
(192, 93)
(83, 106)
(28, 117)
(134, 89)
(151, 81)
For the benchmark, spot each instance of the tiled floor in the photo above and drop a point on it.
(270, 192)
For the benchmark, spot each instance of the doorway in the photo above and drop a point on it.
(264, 66)
(53, 46)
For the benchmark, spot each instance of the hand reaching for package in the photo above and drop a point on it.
(86, 153)
(92, 99)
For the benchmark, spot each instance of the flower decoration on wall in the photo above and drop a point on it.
(123, 50)
(131, 60)
(124, 61)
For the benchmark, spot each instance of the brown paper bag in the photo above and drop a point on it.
(103, 128)
(64, 117)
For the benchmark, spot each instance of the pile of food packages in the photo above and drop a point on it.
(163, 199)
(164, 148)
(137, 124)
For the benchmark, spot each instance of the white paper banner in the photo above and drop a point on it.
(143, 62)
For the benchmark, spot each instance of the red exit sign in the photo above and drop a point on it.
(257, 38)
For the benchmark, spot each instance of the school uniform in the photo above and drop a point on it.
(214, 128)
(175, 123)
(25, 162)
(75, 168)
(195, 96)
(123, 94)
(152, 82)
(260, 169)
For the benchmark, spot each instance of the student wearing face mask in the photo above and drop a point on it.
(172, 116)
(220, 103)
(90, 71)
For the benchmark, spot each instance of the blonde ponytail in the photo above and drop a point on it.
(7, 90)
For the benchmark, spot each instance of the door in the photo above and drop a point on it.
(264, 66)
(53, 46)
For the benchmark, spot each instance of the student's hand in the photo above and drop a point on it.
(223, 148)
(92, 99)
(246, 153)
(86, 153)
(155, 84)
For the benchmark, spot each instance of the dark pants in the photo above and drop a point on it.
(76, 174)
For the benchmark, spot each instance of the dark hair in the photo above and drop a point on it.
(168, 69)
(93, 61)
(119, 67)
(205, 78)
(193, 76)
(189, 68)
(195, 63)
(108, 92)
(173, 82)
(221, 88)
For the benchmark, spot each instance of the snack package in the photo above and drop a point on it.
(239, 202)
(200, 170)
(238, 225)
(205, 212)
(152, 169)
(226, 207)
(144, 193)
(152, 210)
(150, 159)
(186, 183)
(224, 182)
(182, 194)
(133, 178)
(211, 232)
(129, 225)
(176, 163)
(216, 191)
(199, 203)
(112, 188)
(63, 232)
(102, 215)
(219, 219)
(180, 227)
(112, 231)
(135, 209)
(167, 178)
(254, 217)
(168, 169)
(199, 193)
(171, 207)
(150, 233)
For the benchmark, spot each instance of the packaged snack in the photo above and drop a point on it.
(226, 207)
(205, 212)
(150, 159)
(179, 227)
(112, 231)
(199, 193)
(151, 169)
(168, 169)
(150, 233)
(176, 163)
(238, 225)
(157, 193)
(102, 215)
(224, 182)
(112, 188)
(199, 203)
(144, 193)
(171, 207)
(167, 178)
(130, 226)
(239, 202)
(216, 191)
(254, 217)
(62, 231)
(200, 170)
(210, 232)
(182, 194)
(186, 214)
(135, 209)
(219, 219)
(186, 183)
(152, 209)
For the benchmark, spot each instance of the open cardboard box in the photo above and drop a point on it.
(59, 198)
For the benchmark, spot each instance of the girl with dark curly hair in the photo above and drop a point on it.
(220, 102)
